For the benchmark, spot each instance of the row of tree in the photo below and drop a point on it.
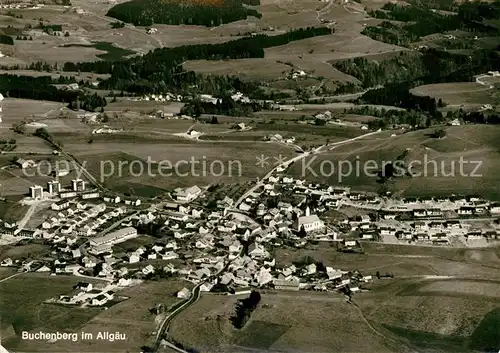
(429, 66)
(224, 106)
(47, 136)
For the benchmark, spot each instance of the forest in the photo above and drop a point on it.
(42, 88)
(420, 21)
(428, 66)
(161, 69)
(149, 12)
(5, 39)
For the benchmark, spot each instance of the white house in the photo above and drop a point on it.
(189, 194)
(184, 293)
(148, 269)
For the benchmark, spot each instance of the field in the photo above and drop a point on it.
(416, 310)
(130, 316)
(24, 252)
(465, 94)
(279, 324)
(91, 26)
(436, 162)
(402, 260)
(28, 312)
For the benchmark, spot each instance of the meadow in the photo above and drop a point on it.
(282, 322)
(471, 145)
(416, 310)
(131, 316)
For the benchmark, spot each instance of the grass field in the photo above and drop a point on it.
(130, 316)
(459, 93)
(6, 272)
(282, 322)
(28, 312)
(27, 251)
(402, 260)
(112, 53)
(472, 145)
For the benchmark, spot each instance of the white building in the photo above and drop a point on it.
(54, 187)
(114, 237)
(309, 222)
(184, 293)
(78, 184)
(23, 163)
(189, 194)
(36, 192)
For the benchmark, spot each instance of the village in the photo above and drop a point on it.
(225, 245)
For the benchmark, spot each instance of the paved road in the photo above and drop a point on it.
(195, 295)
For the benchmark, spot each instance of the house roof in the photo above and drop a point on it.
(308, 219)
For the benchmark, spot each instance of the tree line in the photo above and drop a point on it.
(42, 88)
(148, 12)
(428, 66)
(44, 134)
(224, 106)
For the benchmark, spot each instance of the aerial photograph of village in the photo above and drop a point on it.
(250, 176)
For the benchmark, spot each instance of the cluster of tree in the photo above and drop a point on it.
(161, 69)
(117, 24)
(398, 95)
(49, 28)
(47, 136)
(475, 117)
(152, 228)
(5, 39)
(158, 274)
(89, 102)
(13, 14)
(42, 88)
(439, 133)
(244, 309)
(430, 66)
(347, 88)
(148, 12)
(422, 20)
(392, 117)
(224, 106)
